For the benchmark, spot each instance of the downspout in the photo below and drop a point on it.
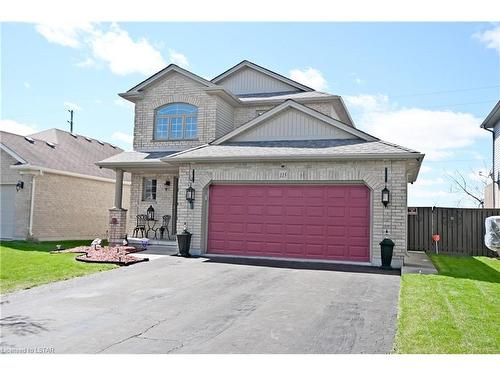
(493, 187)
(32, 206)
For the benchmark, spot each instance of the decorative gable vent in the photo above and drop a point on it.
(30, 140)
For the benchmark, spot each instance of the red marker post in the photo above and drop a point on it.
(436, 237)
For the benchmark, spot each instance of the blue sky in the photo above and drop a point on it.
(426, 86)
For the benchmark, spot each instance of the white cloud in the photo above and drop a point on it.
(112, 45)
(68, 34)
(438, 134)
(490, 38)
(310, 77)
(15, 127)
(86, 63)
(124, 55)
(367, 102)
(73, 106)
(425, 169)
(124, 137)
(429, 181)
(178, 58)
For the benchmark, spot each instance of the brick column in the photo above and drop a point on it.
(117, 226)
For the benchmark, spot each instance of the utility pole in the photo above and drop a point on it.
(70, 122)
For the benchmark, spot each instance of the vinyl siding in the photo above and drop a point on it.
(244, 114)
(250, 81)
(292, 125)
(224, 118)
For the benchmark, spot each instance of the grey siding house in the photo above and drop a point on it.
(255, 164)
(492, 124)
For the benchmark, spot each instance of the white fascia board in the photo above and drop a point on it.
(300, 107)
(168, 158)
(171, 68)
(249, 64)
(492, 118)
(225, 94)
(315, 99)
(12, 153)
(32, 169)
(230, 159)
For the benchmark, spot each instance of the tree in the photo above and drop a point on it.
(473, 189)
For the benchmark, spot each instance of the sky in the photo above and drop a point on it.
(426, 86)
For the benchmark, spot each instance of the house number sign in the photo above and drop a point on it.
(283, 174)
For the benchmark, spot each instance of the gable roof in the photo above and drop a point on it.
(58, 150)
(302, 108)
(248, 64)
(315, 150)
(492, 118)
(135, 91)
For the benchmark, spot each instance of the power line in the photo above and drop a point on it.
(445, 91)
(458, 104)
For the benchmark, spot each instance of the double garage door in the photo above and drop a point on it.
(330, 222)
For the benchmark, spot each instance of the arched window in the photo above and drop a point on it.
(176, 121)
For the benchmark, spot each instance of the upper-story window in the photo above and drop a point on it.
(176, 121)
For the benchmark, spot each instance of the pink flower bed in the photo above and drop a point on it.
(118, 254)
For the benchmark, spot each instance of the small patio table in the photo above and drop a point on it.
(151, 223)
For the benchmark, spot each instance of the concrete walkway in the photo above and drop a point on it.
(418, 262)
(179, 305)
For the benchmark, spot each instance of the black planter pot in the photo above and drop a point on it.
(386, 250)
(184, 243)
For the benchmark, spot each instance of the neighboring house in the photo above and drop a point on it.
(278, 169)
(50, 187)
(492, 124)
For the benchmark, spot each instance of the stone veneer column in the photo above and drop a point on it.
(117, 226)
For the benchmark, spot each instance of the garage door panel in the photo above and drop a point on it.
(315, 250)
(336, 250)
(304, 221)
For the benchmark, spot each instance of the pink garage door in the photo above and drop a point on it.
(294, 221)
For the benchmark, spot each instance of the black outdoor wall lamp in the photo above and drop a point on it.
(190, 196)
(166, 185)
(385, 192)
(385, 196)
(19, 185)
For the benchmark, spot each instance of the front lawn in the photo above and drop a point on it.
(25, 264)
(456, 311)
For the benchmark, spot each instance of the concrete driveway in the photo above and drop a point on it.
(177, 305)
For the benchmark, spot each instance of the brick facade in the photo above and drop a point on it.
(69, 207)
(393, 218)
(215, 118)
(162, 205)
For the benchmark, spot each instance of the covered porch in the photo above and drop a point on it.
(152, 210)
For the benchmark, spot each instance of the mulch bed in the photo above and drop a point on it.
(115, 255)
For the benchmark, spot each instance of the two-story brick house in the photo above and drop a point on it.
(278, 169)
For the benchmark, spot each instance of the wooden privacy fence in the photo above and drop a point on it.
(461, 229)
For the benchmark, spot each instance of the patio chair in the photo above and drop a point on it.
(141, 225)
(164, 226)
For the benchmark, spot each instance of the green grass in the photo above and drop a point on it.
(25, 264)
(456, 311)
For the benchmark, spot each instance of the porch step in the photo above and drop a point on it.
(137, 242)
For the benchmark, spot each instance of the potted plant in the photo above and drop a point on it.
(184, 242)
